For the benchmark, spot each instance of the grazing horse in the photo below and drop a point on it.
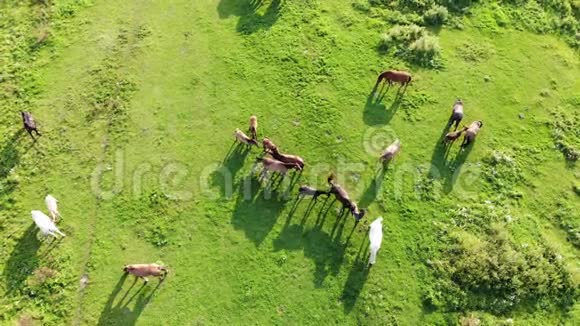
(273, 165)
(144, 270)
(287, 158)
(243, 138)
(452, 136)
(342, 196)
(254, 127)
(471, 132)
(393, 76)
(456, 114)
(269, 146)
(391, 151)
(29, 123)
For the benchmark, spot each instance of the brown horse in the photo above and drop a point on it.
(269, 146)
(287, 158)
(273, 165)
(393, 76)
(471, 132)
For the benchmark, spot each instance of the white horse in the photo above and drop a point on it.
(45, 224)
(51, 205)
(376, 237)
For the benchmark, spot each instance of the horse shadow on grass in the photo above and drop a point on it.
(250, 20)
(231, 164)
(357, 278)
(375, 112)
(23, 260)
(117, 310)
(445, 168)
(325, 249)
(257, 208)
(9, 155)
(371, 192)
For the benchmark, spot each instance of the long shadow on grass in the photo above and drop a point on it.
(117, 311)
(356, 278)
(23, 260)
(257, 208)
(456, 165)
(375, 112)
(442, 166)
(251, 20)
(9, 156)
(370, 194)
(325, 249)
(232, 163)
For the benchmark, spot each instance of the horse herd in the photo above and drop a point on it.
(276, 161)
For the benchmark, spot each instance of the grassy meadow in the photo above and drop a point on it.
(137, 102)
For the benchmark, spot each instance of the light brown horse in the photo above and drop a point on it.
(471, 133)
(243, 138)
(393, 76)
(390, 151)
(144, 270)
(254, 127)
(273, 165)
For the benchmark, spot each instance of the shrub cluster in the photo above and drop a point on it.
(561, 17)
(413, 43)
(496, 275)
(566, 133)
(503, 173)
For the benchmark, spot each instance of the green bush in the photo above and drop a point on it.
(495, 275)
(566, 132)
(425, 49)
(436, 16)
(413, 43)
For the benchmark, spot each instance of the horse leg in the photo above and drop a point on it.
(30, 133)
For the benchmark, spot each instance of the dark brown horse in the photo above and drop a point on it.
(29, 123)
(456, 114)
(393, 76)
(342, 196)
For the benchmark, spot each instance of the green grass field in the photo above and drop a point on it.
(138, 100)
